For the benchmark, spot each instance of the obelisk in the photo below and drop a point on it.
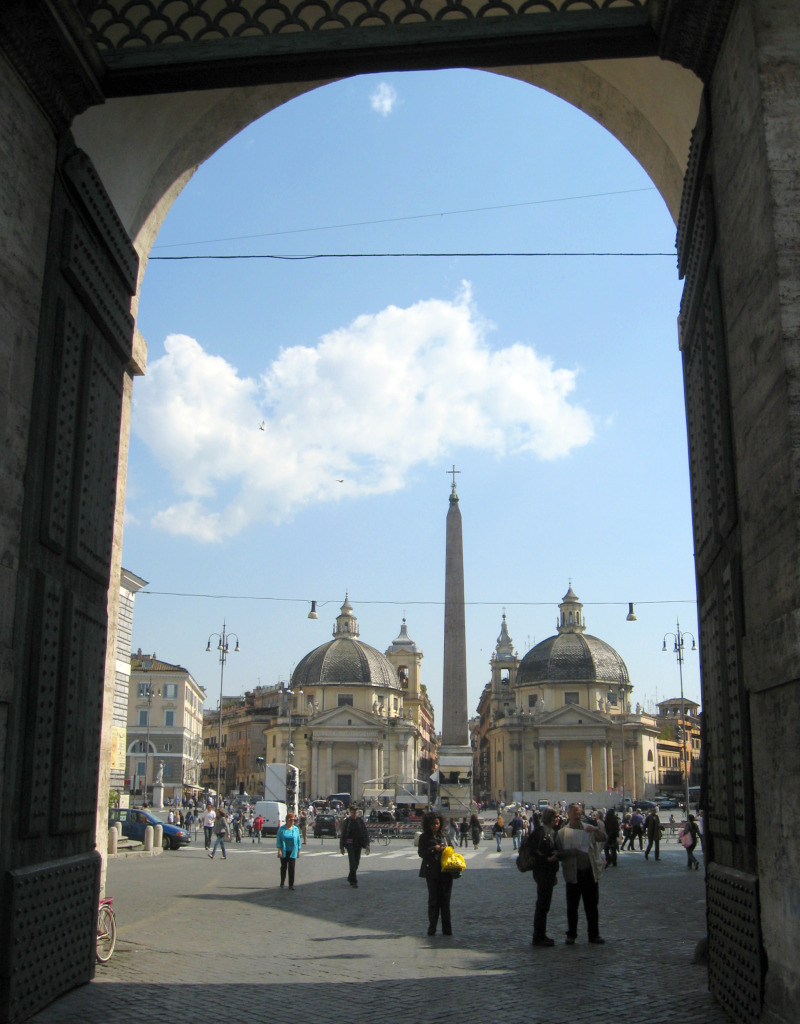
(455, 727)
(455, 753)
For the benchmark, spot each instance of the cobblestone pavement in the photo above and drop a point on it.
(250, 950)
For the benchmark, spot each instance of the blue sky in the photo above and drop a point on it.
(552, 383)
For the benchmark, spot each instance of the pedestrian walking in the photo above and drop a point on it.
(654, 829)
(440, 884)
(258, 824)
(517, 829)
(209, 817)
(689, 836)
(612, 829)
(476, 830)
(302, 824)
(498, 830)
(352, 840)
(463, 833)
(221, 833)
(577, 846)
(288, 842)
(637, 828)
(627, 832)
(545, 874)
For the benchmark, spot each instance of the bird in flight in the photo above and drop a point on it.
(263, 425)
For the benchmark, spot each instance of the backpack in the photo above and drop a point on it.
(525, 860)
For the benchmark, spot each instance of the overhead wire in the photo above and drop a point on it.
(360, 601)
(406, 217)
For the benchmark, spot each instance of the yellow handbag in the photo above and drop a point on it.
(452, 862)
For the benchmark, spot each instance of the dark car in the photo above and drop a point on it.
(135, 821)
(666, 802)
(326, 825)
(645, 805)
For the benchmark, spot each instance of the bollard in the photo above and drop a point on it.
(158, 837)
(148, 839)
(113, 839)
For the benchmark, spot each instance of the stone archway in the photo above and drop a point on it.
(69, 272)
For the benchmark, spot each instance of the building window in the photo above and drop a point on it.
(169, 718)
(573, 782)
(572, 698)
(143, 718)
(532, 698)
(142, 691)
(170, 691)
(140, 767)
(499, 755)
(649, 755)
(167, 748)
(167, 770)
(345, 700)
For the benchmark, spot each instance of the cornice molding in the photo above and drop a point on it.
(691, 32)
(48, 44)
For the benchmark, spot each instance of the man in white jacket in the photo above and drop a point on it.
(578, 846)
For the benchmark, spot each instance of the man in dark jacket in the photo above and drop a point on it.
(353, 839)
(653, 826)
(545, 872)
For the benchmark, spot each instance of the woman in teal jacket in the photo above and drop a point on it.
(288, 843)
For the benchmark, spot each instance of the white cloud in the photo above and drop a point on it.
(365, 405)
(384, 99)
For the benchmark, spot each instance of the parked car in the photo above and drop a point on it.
(326, 825)
(135, 821)
(380, 817)
(666, 802)
(645, 805)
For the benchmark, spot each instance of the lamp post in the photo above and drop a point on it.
(524, 718)
(621, 705)
(149, 693)
(678, 647)
(291, 794)
(223, 639)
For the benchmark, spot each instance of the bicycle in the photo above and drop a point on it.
(106, 929)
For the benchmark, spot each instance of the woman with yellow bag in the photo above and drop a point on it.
(440, 883)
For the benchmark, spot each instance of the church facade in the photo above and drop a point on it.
(362, 722)
(558, 723)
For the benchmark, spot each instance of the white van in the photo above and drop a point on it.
(274, 814)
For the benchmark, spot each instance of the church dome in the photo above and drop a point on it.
(345, 659)
(573, 656)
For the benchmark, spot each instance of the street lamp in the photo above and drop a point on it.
(149, 692)
(288, 694)
(524, 718)
(222, 646)
(621, 705)
(678, 647)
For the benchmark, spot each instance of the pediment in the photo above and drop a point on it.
(572, 715)
(344, 718)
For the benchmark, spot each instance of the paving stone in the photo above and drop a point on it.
(221, 939)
